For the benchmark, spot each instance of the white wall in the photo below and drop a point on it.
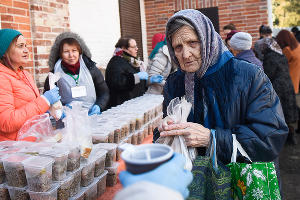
(98, 23)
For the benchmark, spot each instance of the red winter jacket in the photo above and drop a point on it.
(19, 101)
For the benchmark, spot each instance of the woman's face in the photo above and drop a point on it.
(187, 50)
(70, 54)
(18, 53)
(132, 49)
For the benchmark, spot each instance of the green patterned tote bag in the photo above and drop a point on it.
(212, 180)
(255, 181)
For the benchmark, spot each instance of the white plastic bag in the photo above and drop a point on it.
(78, 128)
(37, 129)
(178, 110)
(56, 109)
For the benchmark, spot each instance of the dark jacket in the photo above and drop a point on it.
(119, 76)
(249, 56)
(102, 92)
(277, 69)
(237, 98)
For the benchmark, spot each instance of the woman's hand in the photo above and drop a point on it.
(195, 135)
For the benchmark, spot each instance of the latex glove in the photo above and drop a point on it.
(170, 174)
(143, 75)
(63, 115)
(52, 95)
(95, 109)
(195, 135)
(156, 79)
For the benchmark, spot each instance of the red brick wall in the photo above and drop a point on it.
(49, 18)
(15, 15)
(247, 15)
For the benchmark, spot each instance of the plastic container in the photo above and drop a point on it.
(117, 135)
(111, 178)
(140, 136)
(87, 173)
(63, 192)
(49, 195)
(14, 170)
(134, 138)
(4, 195)
(98, 155)
(75, 186)
(111, 152)
(16, 193)
(23, 144)
(101, 184)
(73, 162)
(38, 171)
(79, 195)
(91, 191)
(7, 144)
(59, 168)
(99, 138)
(2, 172)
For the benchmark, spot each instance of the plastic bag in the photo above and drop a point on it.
(178, 110)
(56, 109)
(37, 129)
(78, 128)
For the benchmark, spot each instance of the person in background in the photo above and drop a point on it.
(71, 57)
(228, 28)
(277, 69)
(20, 99)
(264, 32)
(240, 45)
(228, 95)
(159, 64)
(296, 32)
(157, 37)
(123, 74)
(169, 181)
(228, 37)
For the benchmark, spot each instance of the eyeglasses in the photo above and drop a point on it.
(134, 47)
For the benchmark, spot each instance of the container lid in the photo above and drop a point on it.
(16, 158)
(106, 146)
(38, 162)
(57, 152)
(113, 169)
(23, 144)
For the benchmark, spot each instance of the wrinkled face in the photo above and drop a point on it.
(132, 49)
(18, 53)
(70, 54)
(186, 46)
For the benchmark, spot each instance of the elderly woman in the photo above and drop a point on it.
(19, 97)
(228, 95)
(80, 79)
(125, 74)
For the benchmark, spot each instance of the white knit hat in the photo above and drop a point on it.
(241, 41)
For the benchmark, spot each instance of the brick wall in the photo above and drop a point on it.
(49, 18)
(15, 15)
(247, 15)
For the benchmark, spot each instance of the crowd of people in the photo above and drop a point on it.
(234, 89)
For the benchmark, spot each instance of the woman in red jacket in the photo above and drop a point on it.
(20, 99)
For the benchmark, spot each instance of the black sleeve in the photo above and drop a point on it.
(102, 92)
(46, 85)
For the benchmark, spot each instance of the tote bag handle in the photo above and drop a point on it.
(237, 146)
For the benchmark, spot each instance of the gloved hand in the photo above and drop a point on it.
(52, 95)
(170, 174)
(156, 79)
(143, 75)
(95, 109)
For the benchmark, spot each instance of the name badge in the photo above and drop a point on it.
(78, 91)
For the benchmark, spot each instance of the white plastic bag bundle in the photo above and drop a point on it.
(56, 109)
(178, 110)
(78, 128)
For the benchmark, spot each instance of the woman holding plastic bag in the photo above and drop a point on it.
(228, 96)
(80, 79)
(19, 97)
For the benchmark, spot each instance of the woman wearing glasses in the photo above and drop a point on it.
(125, 75)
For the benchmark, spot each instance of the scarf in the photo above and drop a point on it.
(157, 47)
(74, 69)
(214, 53)
(132, 60)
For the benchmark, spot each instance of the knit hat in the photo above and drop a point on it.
(230, 34)
(241, 41)
(158, 37)
(6, 37)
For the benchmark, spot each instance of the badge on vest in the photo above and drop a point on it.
(78, 91)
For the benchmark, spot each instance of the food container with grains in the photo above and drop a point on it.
(63, 191)
(51, 194)
(75, 186)
(38, 172)
(101, 185)
(16, 193)
(111, 178)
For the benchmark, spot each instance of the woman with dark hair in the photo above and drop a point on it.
(125, 74)
(20, 99)
(277, 69)
(291, 49)
(72, 59)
